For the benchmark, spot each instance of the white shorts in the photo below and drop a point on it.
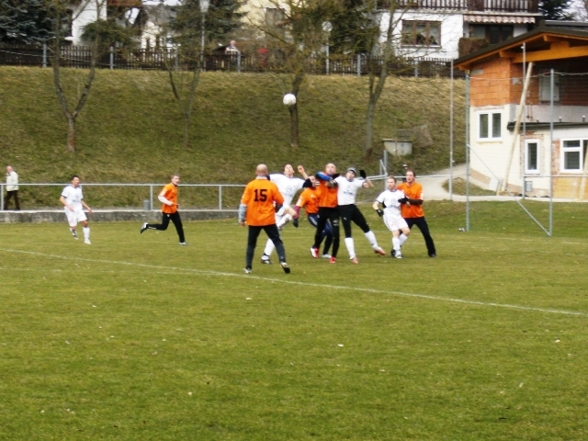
(394, 223)
(74, 217)
(281, 212)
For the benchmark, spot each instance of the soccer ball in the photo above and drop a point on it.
(289, 99)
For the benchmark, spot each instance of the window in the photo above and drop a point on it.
(421, 33)
(573, 154)
(531, 156)
(274, 17)
(490, 126)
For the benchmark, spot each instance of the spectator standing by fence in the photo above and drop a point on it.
(11, 188)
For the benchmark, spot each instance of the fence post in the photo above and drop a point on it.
(220, 197)
(2, 197)
(239, 62)
(151, 196)
(359, 65)
(44, 54)
(416, 69)
(111, 58)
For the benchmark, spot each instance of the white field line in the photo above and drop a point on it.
(305, 284)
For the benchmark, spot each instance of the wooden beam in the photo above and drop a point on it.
(557, 53)
(507, 54)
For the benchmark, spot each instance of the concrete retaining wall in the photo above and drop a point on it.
(34, 216)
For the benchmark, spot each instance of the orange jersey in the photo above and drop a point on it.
(260, 196)
(309, 198)
(412, 191)
(327, 196)
(170, 192)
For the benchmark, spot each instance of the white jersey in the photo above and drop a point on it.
(73, 197)
(288, 186)
(347, 190)
(390, 200)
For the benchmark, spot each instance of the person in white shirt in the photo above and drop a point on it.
(347, 187)
(72, 199)
(11, 188)
(391, 199)
(288, 185)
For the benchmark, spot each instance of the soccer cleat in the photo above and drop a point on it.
(379, 251)
(285, 267)
(183, 244)
(398, 255)
(265, 259)
(295, 223)
(74, 233)
(314, 252)
(333, 260)
(432, 255)
(326, 256)
(392, 253)
(143, 228)
(87, 242)
(247, 270)
(354, 260)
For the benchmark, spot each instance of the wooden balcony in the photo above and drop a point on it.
(500, 6)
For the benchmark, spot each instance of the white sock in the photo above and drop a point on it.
(402, 238)
(86, 231)
(371, 237)
(350, 247)
(396, 244)
(285, 219)
(269, 248)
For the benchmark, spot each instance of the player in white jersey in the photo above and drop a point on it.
(391, 199)
(347, 187)
(72, 199)
(288, 186)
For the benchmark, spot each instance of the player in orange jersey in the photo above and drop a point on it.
(308, 199)
(328, 211)
(412, 210)
(258, 207)
(169, 210)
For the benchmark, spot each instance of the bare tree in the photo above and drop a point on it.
(293, 35)
(71, 106)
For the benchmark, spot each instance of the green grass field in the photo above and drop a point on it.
(136, 338)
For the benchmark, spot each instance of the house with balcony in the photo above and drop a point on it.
(533, 143)
(438, 28)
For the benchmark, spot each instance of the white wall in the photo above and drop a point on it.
(88, 11)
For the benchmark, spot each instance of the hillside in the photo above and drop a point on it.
(131, 129)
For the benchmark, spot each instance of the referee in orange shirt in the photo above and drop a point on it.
(259, 203)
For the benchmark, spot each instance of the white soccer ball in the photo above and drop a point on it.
(289, 99)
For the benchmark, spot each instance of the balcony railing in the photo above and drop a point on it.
(507, 6)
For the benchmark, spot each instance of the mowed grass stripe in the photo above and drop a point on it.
(208, 273)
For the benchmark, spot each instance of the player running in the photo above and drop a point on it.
(73, 201)
(391, 199)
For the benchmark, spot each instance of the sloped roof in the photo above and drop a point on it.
(552, 40)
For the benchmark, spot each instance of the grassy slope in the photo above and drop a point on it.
(131, 131)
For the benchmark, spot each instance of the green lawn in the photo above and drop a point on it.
(136, 338)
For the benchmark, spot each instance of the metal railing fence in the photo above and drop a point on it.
(164, 58)
(129, 196)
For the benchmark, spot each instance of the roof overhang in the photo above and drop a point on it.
(543, 44)
(506, 19)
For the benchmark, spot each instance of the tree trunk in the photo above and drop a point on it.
(294, 133)
(294, 128)
(71, 133)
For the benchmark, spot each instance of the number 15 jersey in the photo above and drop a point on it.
(259, 196)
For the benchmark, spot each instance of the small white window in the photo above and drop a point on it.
(490, 126)
(573, 154)
(532, 156)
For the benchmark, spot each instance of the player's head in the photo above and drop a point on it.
(75, 180)
(261, 170)
(410, 175)
(289, 170)
(351, 173)
(313, 181)
(391, 183)
(330, 169)
(175, 179)
(9, 169)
